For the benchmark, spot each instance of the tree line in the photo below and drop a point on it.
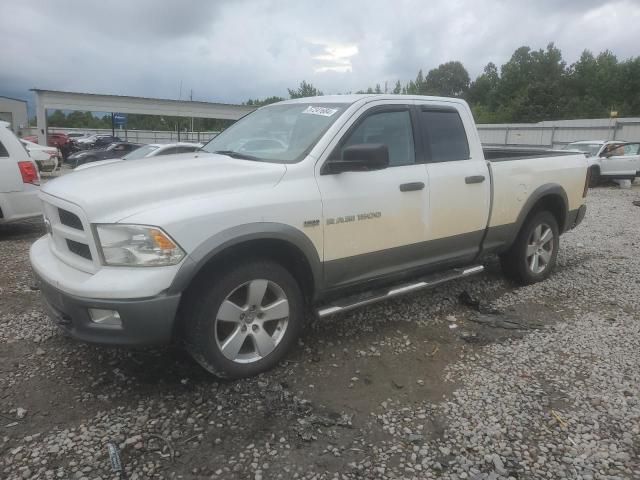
(532, 86)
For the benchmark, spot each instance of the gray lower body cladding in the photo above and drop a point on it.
(144, 321)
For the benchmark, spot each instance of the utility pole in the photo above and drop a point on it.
(113, 125)
(191, 98)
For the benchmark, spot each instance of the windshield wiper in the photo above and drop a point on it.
(234, 154)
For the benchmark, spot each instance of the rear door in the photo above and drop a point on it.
(459, 183)
(374, 222)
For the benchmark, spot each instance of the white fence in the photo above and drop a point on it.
(556, 135)
(136, 136)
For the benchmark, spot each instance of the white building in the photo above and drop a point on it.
(14, 111)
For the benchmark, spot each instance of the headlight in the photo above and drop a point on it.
(137, 245)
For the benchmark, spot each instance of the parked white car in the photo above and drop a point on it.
(19, 179)
(609, 159)
(146, 151)
(316, 204)
(47, 158)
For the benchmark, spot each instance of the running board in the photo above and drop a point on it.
(430, 281)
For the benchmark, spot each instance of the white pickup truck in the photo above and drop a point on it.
(310, 205)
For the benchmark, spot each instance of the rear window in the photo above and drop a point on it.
(444, 135)
(3, 151)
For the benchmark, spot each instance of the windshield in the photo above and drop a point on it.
(140, 152)
(278, 133)
(589, 148)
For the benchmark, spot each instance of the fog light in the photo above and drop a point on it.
(105, 317)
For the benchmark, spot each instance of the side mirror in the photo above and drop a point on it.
(361, 157)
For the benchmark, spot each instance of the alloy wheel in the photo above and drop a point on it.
(251, 321)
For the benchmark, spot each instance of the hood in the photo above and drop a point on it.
(121, 189)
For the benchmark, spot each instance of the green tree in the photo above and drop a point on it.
(304, 90)
(264, 101)
(449, 79)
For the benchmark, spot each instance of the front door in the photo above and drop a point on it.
(620, 160)
(374, 221)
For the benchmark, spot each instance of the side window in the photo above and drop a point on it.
(392, 129)
(185, 149)
(168, 151)
(631, 149)
(3, 151)
(444, 135)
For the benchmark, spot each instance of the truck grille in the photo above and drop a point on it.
(78, 248)
(71, 239)
(70, 219)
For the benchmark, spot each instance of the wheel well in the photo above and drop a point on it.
(553, 204)
(280, 251)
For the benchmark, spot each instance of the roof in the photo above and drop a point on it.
(14, 99)
(352, 98)
(175, 144)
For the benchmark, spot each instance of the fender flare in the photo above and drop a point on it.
(539, 193)
(501, 238)
(219, 242)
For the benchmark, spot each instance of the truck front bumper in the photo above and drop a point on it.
(141, 321)
(146, 317)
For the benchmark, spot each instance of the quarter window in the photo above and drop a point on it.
(444, 135)
(392, 129)
(3, 151)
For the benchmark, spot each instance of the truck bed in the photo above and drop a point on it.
(501, 154)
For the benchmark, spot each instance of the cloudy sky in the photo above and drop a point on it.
(232, 50)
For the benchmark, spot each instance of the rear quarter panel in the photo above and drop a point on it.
(515, 180)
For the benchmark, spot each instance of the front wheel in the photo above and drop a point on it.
(533, 255)
(243, 321)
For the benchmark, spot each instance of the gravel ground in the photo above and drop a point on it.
(475, 380)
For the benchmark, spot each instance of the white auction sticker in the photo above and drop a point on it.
(324, 111)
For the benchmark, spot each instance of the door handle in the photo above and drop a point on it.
(411, 187)
(474, 179)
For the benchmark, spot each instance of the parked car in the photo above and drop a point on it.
(58, 140)
(47, 158)
(77, 135)
(113, 150)
(95, 141)
(610, 159)
(146, 151)
(19, 179)
(366, 197)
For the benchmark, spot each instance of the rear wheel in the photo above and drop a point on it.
(533, 255)
(243, 321)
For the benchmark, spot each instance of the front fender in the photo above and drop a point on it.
(219, 242)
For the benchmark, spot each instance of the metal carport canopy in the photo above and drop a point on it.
(93, 102)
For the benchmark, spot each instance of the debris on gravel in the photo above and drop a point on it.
(533, 382)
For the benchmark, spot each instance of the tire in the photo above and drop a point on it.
(525, 263)
(226, 331)
(594, 181)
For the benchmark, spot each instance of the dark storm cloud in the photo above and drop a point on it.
(234, 50)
